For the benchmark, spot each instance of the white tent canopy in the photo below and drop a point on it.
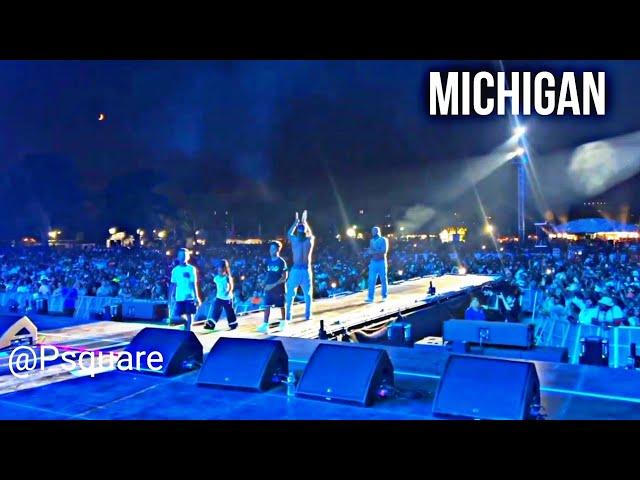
(595, 225)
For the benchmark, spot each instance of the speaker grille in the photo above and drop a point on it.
(345, 374)
(242, 363)
(181, 350)
(486, 388)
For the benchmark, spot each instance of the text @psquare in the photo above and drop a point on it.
(23, 360)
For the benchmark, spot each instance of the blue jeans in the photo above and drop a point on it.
(377, 268)
(302, 277)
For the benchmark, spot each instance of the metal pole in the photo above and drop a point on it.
(522, 186)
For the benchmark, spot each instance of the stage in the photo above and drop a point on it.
(348, 311)
(568, 392)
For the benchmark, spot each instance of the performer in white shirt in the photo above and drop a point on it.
(184, 288)
(378, 248)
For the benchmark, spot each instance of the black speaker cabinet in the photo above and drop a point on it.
(145, 310)
(181, 350)
(113, 312)
(245, 364)
(489, 333)
(487, 388)
(594, 351)
(346, 374)
(42, 306)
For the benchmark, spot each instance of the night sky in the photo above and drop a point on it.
(262, 139)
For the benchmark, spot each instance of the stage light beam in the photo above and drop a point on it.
(516, 153)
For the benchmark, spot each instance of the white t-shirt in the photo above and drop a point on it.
(614, 313)
(379, 245)
(588, 315)
(184, 276)
(222, 282)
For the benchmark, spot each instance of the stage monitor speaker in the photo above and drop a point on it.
(594, 351)
(245, 364)
(113, 312)
(489, 333)
(16, 331)
(347, 374)
(181, 350)
(42, 306)
(488, 389)
(145, 310)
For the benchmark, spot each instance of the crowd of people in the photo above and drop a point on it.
(590, 283)
(586, 283)
(143, 273)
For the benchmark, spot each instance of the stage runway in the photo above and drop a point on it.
(351, 310)
(337, 313)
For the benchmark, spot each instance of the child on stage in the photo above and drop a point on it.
(224, 297)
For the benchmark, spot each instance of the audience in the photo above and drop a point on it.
(475, 311)
(590, 283)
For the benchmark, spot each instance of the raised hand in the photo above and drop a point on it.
(304, 217)
(297, 217)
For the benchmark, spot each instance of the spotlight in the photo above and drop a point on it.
(518, 132)
(462, 271)
(334, 284)
(516, 153)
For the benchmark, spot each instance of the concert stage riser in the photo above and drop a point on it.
(427, 320)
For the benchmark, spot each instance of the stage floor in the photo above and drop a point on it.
(337, 312)
(568, 392)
